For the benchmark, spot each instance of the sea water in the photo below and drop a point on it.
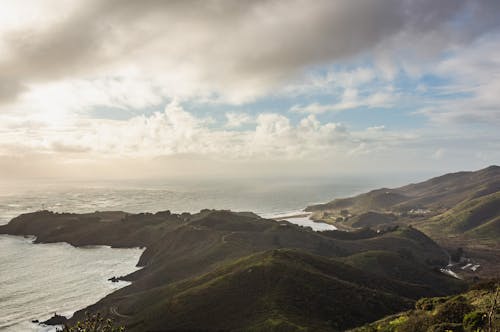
(38, 280)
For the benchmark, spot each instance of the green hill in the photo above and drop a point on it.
(465, 204)
(438, 193)
(380, 200)
(479, 217)
(372, 219)
(222, 270)
(477, 310)
(196, 267)
(405, 268)
(284, 290)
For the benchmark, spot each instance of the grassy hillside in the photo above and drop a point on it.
(221, 270)
(477, 310)
(378, 200)
(196, 270)
(465, 204)
(283, 289)
(479, 217)
(403, 267)
(436, 194)
(372, 219)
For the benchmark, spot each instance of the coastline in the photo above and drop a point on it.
(209, 233)
(56, 277)
(297, 217)
(304, 219)
(61, 242)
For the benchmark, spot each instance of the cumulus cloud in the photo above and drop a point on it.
(350, 99)
(175, 142)
(472, 94)
(175, 131)
(81, 79)
(235, 120)
(235, 50)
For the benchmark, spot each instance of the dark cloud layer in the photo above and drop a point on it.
(233, 43)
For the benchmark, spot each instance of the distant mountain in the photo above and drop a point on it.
(440, 192)
(221, 270)
(463, 203)
(372, 219)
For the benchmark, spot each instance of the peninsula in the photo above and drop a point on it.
(222, 270)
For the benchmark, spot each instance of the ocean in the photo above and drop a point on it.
(37, 280)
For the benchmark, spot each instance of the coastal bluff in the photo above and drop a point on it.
(224, 270)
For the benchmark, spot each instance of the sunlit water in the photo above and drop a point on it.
(37, 280)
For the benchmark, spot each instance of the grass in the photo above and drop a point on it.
(219, 270)
(470, 311)
(478, 218)
(289, 289)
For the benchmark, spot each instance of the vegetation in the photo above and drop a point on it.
(373, 219)
(463, 203)
(477, 310)
(478, 218)
(475, 320)
(221, 270)
(444, 191)
(94, 323)
(280, 289)
(405, 268)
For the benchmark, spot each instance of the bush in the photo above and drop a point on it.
(475, 320)
(453, 310)
(418, 322)
(367, 328)
(429, 304)
(94, 323)
(446, 327)
(489, 285)
(457, 254)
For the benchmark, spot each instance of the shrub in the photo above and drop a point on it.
(457, 254)
(446, 327)
(475, 320)
(94, 323)
(418, 322)
(429, 304)
(368, 328)
(453, 310)
(489, 285)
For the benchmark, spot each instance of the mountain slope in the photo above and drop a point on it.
(475, 310)
(438, 193)
(285, 289)
(465, 204)
(478, 216)
(194, 264)
(403, 267)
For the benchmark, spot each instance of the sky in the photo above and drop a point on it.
(215, 88)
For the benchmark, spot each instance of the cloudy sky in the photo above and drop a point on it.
(150, 88)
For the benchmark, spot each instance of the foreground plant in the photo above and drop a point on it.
(94, 323)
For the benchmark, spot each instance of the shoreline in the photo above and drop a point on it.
(304, 219)
(291, 217)
(112, 258)
(309, 216)
(221, 231)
